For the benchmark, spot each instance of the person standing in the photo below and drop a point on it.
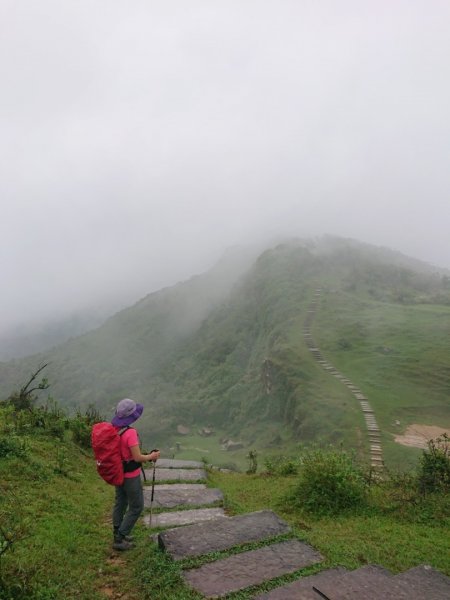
(129, 497)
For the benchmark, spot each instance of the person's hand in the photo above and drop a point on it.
(154, 455)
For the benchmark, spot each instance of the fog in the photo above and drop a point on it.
(141, 139)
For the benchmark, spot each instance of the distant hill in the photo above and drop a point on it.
(226, 350)
(23, 340)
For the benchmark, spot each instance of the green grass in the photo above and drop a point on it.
(351, 541)
(397, 356)
(208, 449)
(66, 540)
(66, 552)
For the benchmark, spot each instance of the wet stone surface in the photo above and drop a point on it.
(302, 589)
(162, 474)
(250, 568)
(358, 584)
(423, 582)
(202, 538)
(184, 517)
(173, 496)
(171, 463)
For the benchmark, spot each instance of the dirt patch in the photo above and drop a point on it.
(417, 436)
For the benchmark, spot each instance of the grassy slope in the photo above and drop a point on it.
(66, 507)
(397, 355)
(392, 541)
(245, 368)
(66, 552)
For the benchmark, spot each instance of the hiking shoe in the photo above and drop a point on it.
(120, 536)
(122, 544)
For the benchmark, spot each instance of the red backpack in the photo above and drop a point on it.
(105, 441)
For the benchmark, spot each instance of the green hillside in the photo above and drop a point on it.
(225, 351)
(55, 516)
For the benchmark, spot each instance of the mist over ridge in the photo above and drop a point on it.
(139, 141)
(225, 348)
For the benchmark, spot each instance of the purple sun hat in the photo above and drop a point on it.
(127, 412)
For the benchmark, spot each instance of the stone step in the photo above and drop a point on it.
(419, 583)
(202, 538)
(243, 570)
(184, 517)
(364, 579)
(302, 589)
(163, 474)
(177, 495)
(171, 463)
(424, 582)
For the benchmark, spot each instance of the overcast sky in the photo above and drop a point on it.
(140, 139)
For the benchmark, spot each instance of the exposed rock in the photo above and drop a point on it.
(182, 430)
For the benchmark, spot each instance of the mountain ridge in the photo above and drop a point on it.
(206, 351)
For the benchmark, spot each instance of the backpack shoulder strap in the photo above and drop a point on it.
(122, 431)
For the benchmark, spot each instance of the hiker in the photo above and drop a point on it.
(129, 501)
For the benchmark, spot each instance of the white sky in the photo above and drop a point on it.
(139, 139)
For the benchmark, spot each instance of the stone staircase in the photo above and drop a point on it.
(373, 431)
(193, 525)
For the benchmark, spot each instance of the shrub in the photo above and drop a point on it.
(13, 445)
(281, 465)
(329, 482)
(81, 426)
(252, 458)
(434, 466)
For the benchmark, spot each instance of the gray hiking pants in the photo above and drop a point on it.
(128, 506)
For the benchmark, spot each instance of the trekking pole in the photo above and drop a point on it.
(153, 492)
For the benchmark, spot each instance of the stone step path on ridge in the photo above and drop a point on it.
(203, 538)
(243, 570)
(193, 533)
(184, 517)
(373, 431)
(174, 502)
(375, 583)
(172, 463)
(370, 582)
(171, 474)
(217, 532)
(171, 496)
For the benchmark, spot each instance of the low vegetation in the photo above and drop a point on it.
(229, 352)
(55, 531)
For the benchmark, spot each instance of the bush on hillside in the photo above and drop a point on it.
(81, 426)
(13, 445)
(281, 465)
(434, 466)
(329, 482)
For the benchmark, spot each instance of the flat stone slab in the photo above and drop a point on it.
(423, 582)
(173, 496)
(250, 568)
(302, 589)
(184, 517)
(371, 578)
(171, 463)
(420, 583)
(202, 538)
(172, 474)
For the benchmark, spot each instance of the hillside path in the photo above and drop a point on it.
(249, 552)
(373, 431)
